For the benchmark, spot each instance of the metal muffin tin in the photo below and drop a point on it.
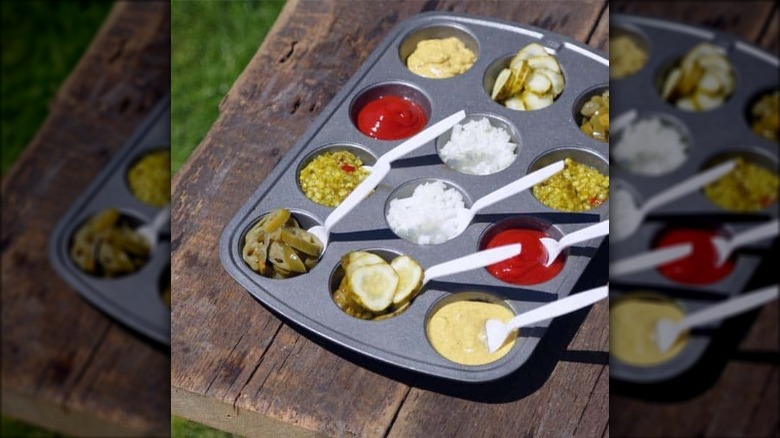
(715, 133)
(401, 340)
(133, 299)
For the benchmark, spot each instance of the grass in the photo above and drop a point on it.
(213, 42)
(16, 428)
(41, 43)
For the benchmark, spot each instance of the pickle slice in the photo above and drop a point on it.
(670, 85)
(538, 83)
(532, 50)
(373, 286)
(534, 101)
(255, 251)
(395, 312)
(545, 61)
(282, 256)
(515, 103)
(302, 240)
(104, 220)
(555, 78)
(274, 220)
(501, 87)
(356, 259)
(410, 277)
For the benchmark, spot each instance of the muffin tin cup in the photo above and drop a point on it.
(401, 340)
(714, 135)
(132, 299)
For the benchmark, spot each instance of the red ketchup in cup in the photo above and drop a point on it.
(391, 118)
(700, 266)
(527, 268)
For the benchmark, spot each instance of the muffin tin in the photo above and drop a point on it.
(545, 135)
(133, 299)
(715, 135)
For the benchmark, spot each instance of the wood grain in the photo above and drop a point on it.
(229, 348)
(65, 364)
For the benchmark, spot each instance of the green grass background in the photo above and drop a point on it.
(212, 41)
(41, 43)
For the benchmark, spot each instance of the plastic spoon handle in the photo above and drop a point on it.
(688, 186)
(729, 307)
(587, 233)
(382, 167)
(518, 186)
(376, 176)
(650, 259)
(422, 138)
(163, 217)
(151, 231)
(472, 261)
(558, 308)
(755, 234)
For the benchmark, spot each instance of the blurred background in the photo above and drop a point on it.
(42, 42)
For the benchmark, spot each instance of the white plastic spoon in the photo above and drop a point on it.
(725, 247)
(554, 247)
(667, 331)
(472, 261)
(650, 259)
(508, 190)
(151, 230)
(497, 331)
(628, 215)
(378, 172)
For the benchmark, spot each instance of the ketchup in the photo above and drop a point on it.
(699, 267)
(391, 118)
(527, 268)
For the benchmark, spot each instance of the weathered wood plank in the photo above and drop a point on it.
(229, 348)
(59, 351)
(744, 18)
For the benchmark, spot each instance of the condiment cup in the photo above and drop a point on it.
(650, 259)
(629, 216)
(380, 169)
(151, 230)
(508, 190)
(497, 331)
(725, 247)
(472, 261)
(554, 247)
(667, 331)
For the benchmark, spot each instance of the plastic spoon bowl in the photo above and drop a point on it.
(472, 261)
(628, 216)
(667, 331)
(554, 247)
(650, 259)
(724, 247)
(379, 170)
(151, 230)
(508, 190)
(497, 331)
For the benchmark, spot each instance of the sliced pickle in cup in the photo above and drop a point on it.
(374, 289)
(276, 247)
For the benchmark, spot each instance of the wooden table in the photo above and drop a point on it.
(238, 367)
(733, 390)
(65, 365)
